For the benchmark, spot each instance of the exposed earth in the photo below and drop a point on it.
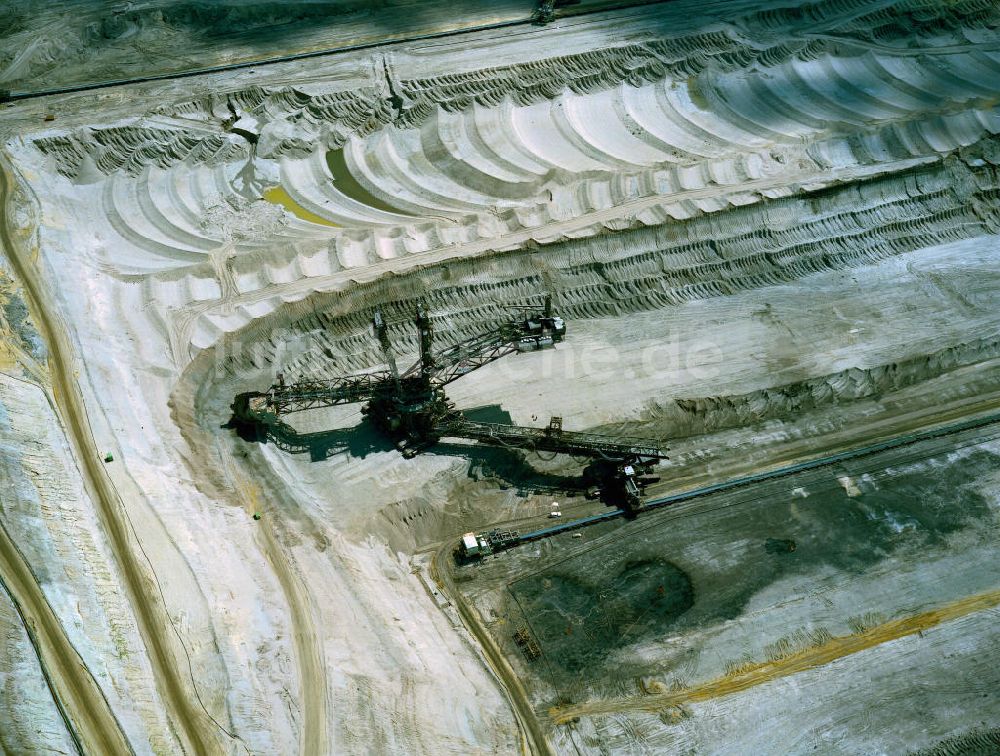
(773, 230)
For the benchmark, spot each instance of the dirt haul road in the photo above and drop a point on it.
(348, 29)
(83, 707)
(193, 725)
(534, 737)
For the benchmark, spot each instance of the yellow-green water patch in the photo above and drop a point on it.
(278, 196)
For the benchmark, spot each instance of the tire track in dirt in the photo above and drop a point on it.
(308, 649)
(81, 703)
(313, 696)
(191, 724)
(512, 687)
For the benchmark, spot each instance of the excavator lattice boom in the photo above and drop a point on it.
(413, 409)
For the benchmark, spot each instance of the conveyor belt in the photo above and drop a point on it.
(832, 459)
(544, 439)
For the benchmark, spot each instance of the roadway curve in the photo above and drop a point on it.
(510, 683)
(84, 702)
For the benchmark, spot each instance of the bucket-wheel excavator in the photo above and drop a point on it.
(412, 409)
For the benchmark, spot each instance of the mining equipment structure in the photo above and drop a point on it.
(412, 409)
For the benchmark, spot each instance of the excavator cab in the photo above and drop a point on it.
(541, 330)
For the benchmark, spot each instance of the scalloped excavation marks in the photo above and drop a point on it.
(646, 269)
(812, 188)
(237, 204)
(494, 176)
(349, 187)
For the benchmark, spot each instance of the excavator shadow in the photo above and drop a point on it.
(357, 441)
(411, 408)
(508, 466)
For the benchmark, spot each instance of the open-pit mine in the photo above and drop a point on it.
(500, 377)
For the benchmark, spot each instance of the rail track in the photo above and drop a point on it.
(513, 685)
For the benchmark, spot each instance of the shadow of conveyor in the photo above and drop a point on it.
(508, 466)
(359, 441)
